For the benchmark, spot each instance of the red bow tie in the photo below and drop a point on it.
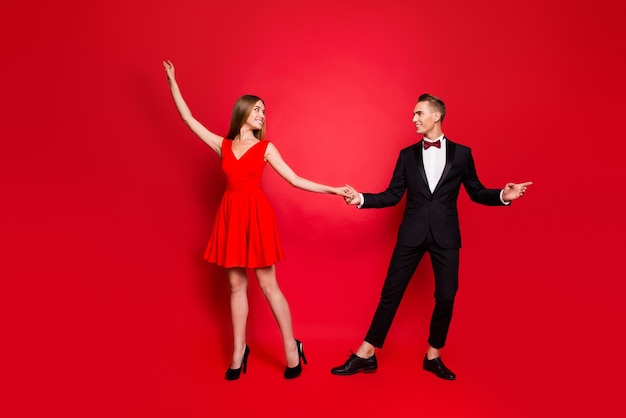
(436, 144)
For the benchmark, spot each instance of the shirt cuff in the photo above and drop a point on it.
(360, 205)
(501, 200)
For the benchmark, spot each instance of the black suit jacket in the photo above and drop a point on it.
(436, 210)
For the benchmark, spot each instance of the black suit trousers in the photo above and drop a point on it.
(404, 262)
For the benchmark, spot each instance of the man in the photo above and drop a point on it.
(432, 172)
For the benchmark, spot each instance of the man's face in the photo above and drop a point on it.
(425, 118)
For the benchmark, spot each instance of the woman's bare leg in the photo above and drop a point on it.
(238, 312)
(280, 308)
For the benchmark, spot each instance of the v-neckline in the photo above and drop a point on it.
(244, 154)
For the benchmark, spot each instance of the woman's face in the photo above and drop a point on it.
(257, 117)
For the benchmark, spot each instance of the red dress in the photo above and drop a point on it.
(245, 232)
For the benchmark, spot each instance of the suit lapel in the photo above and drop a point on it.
(450, 150)
(420, 162)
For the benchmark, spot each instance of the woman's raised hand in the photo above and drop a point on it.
(169, 69)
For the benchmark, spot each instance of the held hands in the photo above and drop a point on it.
(169, 70)
(342, 191)
(514, 191)
(352, 197)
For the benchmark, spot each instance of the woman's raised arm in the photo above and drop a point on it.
(212, 140)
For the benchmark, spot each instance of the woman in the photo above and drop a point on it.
(244, 233)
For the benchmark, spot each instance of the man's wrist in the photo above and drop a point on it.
(504, 202)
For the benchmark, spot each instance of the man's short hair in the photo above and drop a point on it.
(436, 102)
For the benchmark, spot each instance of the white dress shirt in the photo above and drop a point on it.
(434, 162)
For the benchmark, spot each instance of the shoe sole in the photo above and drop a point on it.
(440, 377)
(364, 370)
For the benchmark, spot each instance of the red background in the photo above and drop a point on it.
(107, 202)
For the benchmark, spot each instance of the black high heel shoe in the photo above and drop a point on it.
(293, 372)
(233, 374)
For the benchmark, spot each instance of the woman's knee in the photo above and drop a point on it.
(237, 280)
(268, 286)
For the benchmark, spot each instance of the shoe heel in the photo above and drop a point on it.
(293, 372)
(233, 374)
(301, 351)
(244, 362)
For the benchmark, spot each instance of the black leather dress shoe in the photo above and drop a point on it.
(436, 366)
(355, 364)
